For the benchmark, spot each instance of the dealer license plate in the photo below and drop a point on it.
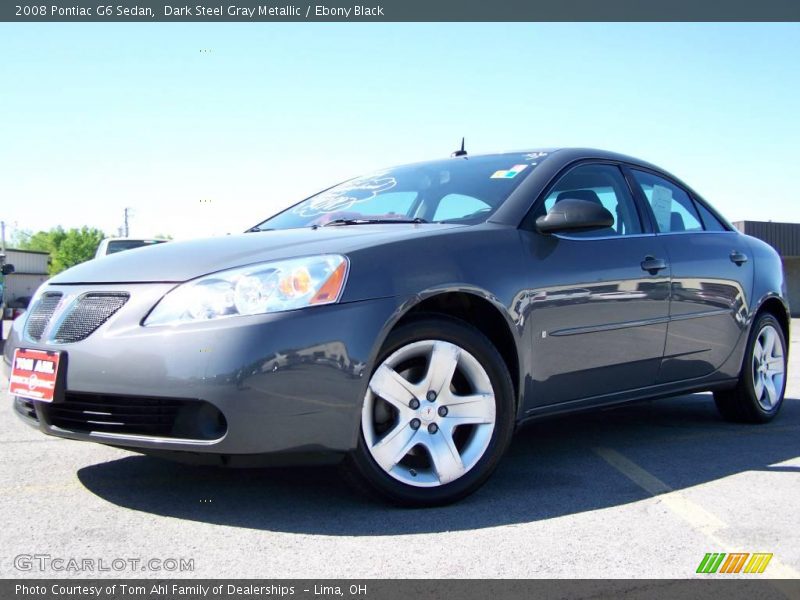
(34, 374)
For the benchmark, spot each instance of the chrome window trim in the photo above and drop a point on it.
(565, 236)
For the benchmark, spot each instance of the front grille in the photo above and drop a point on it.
(25, 407)
(88, 313)
(41, 314)
(137, 415)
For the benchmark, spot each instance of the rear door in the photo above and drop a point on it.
(597, 303)
(712, 278)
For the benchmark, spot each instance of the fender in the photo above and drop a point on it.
(769, 287)
(515, 329)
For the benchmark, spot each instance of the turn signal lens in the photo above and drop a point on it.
(330, 290)
(297, 283)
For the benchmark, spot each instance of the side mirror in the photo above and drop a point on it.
(573, 214)
(8, 269)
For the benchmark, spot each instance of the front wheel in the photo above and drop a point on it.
(437, 416)
(758, 395)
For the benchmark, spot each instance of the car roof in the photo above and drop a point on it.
(570, 154)
(563, 155)
(567, 155)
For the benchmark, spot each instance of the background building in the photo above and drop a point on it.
(785, 238)
(30, 271)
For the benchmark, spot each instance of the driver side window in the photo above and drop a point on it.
(600, 184)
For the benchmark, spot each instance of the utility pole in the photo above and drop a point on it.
(127, 211)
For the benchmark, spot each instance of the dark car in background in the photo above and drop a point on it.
(408, 320)
(17, 307)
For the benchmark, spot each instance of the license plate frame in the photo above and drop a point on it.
(37, 374)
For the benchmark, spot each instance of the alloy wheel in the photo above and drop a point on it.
(429, 413)
(768, 368)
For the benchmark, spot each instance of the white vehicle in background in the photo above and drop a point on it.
(114, 245)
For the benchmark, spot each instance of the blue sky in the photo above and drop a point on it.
(205, 129)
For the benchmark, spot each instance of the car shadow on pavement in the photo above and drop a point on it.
(553, 468)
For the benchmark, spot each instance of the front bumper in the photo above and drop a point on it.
(288, 382)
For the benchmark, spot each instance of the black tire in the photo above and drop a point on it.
(362, 467)
(740, 403)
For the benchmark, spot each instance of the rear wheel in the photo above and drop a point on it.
(437, 416)
(758, 395)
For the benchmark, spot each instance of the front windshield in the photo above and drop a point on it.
(458, 190)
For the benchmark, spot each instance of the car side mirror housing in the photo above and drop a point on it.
(572, 214)
(8, 269)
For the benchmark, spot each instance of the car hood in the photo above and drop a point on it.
(182, 261)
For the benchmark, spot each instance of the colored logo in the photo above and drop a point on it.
(735, 562)
(509, 173)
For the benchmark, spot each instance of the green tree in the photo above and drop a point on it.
(67, 248)
(41, 241)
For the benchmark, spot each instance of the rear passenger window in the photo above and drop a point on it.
(673, 208)
(710, 222)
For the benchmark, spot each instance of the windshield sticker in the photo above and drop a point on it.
(661, 202)
(346, 195)
(535, 155)
(509, 173)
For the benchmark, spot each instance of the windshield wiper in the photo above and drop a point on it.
(340, 222)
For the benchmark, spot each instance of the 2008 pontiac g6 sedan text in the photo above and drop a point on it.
(407, 321)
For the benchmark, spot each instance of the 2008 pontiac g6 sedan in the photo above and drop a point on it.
(406, 321)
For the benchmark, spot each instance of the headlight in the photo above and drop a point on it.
(255, 289)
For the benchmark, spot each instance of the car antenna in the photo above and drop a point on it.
(461, 152)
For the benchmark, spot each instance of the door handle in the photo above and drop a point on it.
(738, 258)
(653, 265)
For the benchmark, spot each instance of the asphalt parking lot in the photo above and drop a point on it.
(643, 491)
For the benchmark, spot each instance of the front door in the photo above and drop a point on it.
(598, 302)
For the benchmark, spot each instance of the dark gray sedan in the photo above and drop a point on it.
(408, 320)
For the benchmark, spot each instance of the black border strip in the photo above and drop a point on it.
(400, 11)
